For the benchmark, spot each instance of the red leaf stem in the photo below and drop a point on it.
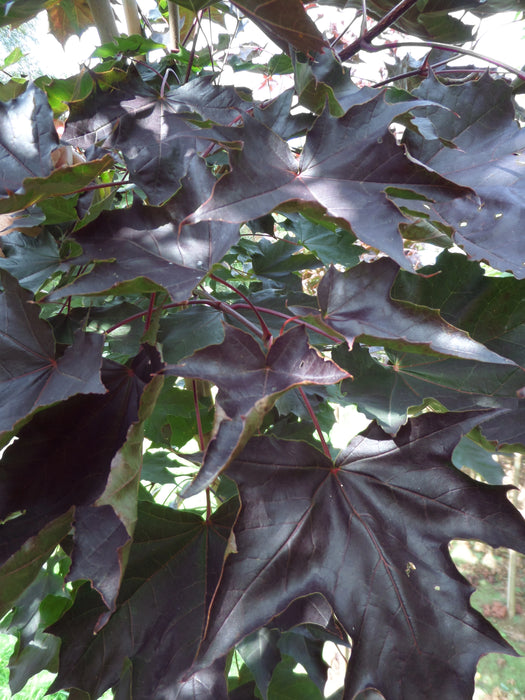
(150, 311)
(315, 422)
(296, 319)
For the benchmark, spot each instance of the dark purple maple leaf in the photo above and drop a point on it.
(488, 158)
(31, 376)
(345, 168)
(158, 143)
(27, 139)
(370, 531)
(161, 611)
(357, 303)
(250, 381)
(63, 458)
(96, 120)
(286, 24)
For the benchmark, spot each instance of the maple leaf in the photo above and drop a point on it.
(31, 376)
(73, 443)
(157, 141)
(355, 314)
(61, 181)
(508, 429)
(249, 382)
(345, 167)
(156, 638)
(370, 531)
(143, 248)
(27, 139)
(387, 391)
(285, 24)
(488, 158)
(31, 260)
(490, 309)
(68, 18)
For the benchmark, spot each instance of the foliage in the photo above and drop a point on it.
(211, 280)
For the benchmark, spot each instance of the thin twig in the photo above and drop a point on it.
(422, 70)
(188, 33)
(150, 311)
(363, 19)
(221, 306)
(266, 331)
(447, 47)
(101, 186)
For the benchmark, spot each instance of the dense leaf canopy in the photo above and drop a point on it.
(195, 285)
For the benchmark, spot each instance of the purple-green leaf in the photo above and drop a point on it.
(490, 309)
(386, 392)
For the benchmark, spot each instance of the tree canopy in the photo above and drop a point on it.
(196, 286)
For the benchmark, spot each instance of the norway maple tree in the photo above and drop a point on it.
(195, 284)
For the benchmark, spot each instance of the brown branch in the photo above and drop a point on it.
(387, 21)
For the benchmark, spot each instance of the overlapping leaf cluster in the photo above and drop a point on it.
(186, 303)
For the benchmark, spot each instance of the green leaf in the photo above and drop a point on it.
(20, 569)
(286, 684)
(387, 392)
(329, 246)
(490, 309)
(174, 421)
(183, 333)
(31, 260)
(127, 45)
(469, 455)
(63, 181)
